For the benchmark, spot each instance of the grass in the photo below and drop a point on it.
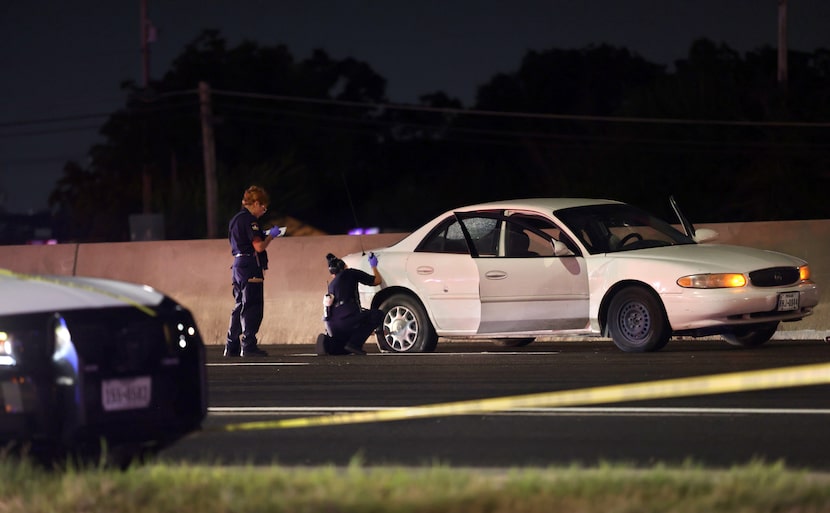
(157, 488)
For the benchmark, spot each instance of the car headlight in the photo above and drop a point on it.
(29, 344)
(7, 352)
(64, 348)
(712, 281)
(804, 272)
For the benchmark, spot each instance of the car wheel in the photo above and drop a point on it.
(514, 342)
(406, 327)
(751, 336)
(636, 321)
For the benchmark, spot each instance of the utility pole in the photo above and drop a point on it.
(146, 181)
(782, 44)
(145, 49)
(209, 156)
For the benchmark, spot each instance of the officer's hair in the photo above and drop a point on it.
(253, 194)
(335, 264)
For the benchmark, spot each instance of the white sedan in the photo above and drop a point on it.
(521, 269)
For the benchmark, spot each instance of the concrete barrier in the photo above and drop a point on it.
(197, 272)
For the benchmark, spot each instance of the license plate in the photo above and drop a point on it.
(126, 394)
(787, 301)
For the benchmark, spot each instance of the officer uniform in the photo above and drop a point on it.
(349, 325)
(248, 277)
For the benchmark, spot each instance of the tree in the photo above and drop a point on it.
(741, 150)
(561, 155)
(289, 148)
(321, 136)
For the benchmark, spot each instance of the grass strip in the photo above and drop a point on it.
(156, 488)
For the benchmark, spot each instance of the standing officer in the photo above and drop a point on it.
(248, 245)
(347, 323)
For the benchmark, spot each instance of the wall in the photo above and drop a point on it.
(197, 273)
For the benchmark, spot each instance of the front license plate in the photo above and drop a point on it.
(787, 301)
(126, 394)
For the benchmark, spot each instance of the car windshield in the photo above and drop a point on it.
(613, 228)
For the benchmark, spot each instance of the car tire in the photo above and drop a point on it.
(406, 328)
(636, 321)
(514, 342)
(751, 336)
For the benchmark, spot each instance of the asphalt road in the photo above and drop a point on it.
(719, 430)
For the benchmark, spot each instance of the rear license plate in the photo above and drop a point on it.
(126, 394)
(787, 301)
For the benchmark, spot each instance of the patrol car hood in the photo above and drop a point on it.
(27, 293)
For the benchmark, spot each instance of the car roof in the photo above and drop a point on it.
(547, 205)
(544, 204)
(29, 293)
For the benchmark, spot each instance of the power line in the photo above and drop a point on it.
(149, 98)
(85, 128)
(381, 107)
(42, 121)
(525, 115)
(278, 117)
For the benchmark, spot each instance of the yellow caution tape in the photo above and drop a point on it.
(815, 374)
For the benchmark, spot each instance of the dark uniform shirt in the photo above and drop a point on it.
(242, 229)
(241, 232)
(344, 286)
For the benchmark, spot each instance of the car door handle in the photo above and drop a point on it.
(495, 275)
(424, 270)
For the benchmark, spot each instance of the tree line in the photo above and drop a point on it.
(716, 130)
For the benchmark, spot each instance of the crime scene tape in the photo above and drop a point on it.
(815, 374)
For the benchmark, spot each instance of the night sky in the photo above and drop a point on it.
(67, 58)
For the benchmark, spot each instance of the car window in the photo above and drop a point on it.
(612, 228)
(484, 232)
(539, 232)
(447, 237)
(496, 233)
(519, 242)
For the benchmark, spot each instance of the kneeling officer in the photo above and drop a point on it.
(348, 324)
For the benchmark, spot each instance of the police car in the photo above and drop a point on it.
(520, 269)
(92, 367)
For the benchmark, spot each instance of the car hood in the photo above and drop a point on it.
(718, 256)
(27, 293)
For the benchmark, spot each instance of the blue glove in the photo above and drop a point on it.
(274, 232)
(373, 260)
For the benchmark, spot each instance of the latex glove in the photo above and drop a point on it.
(373, 260)
(274, 232)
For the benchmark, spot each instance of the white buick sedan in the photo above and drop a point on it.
(516, 270)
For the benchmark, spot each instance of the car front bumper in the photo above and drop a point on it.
(696, 309)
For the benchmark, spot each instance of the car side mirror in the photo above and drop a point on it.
(705, 235)
(560, 249)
